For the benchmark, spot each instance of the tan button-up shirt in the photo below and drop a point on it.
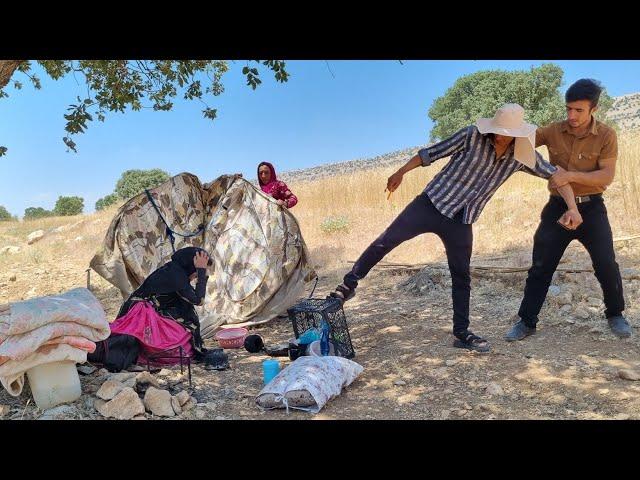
(579, 153)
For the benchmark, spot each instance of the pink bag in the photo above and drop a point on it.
(157, 335)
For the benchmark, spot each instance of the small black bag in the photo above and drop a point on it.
(116, 353)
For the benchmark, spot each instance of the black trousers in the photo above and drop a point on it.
(550, 242)
(420, 216)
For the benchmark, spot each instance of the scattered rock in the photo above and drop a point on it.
(494, 389)
(626, 374)
(565, 298)
(12, 278)
(189, 405)
(11, 250)
(35, 236)
(122, 376)
(61, 412)
(581, 312)
(622, 416)
(209, 406)
(201, 414)
(158, 402)
(554, 290)
(124, 406)
(183, 397)
(86, 369)
(557, 399)
(488, 407)
(4, 410)
(566, 308)
(139, 417)
(399, 383)
(88, 402)
(131, 383)
(109, 390)
(418, 284)
(451, 363)
(146, 378)
(623, 397)
(175, 403)
(594, 302)
(77, 239)
(229, 393)
(444, 414)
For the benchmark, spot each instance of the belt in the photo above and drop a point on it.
(588, 198)
(582, 199)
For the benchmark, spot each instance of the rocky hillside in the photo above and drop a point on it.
(315, 173)
(625, 111)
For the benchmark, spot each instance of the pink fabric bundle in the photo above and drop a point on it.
(156, 333)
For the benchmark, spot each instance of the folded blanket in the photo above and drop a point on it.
(39, 321)
(48, 329)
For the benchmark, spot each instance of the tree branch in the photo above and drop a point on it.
(7, 68)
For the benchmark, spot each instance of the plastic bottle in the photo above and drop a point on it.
(324, 340)
(54, 383)
(270, 369)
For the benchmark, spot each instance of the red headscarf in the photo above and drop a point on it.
(276, 188)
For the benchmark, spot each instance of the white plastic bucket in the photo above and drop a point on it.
(54, 383)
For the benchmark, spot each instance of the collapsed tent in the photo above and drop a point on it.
(260, 260)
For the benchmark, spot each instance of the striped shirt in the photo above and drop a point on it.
(473, 174)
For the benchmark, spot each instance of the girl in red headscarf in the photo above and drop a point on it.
(270, 185)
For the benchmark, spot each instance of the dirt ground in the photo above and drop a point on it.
(402, 337)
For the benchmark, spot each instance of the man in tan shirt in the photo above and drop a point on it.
(585, 150)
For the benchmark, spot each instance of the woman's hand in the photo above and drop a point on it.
(200, 260)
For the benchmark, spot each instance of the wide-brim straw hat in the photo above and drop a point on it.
(509, 121)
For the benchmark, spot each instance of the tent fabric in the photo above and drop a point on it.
(260, 260)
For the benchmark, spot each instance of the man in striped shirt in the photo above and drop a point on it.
(482, 157)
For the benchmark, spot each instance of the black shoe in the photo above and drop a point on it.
(472, 342)
(216, 359)
(519, 331)
(619, 326)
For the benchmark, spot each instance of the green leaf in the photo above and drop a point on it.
(69, 143)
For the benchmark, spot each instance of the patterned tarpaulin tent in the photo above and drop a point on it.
(260, 258)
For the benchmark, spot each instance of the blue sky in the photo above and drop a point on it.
(323, 114)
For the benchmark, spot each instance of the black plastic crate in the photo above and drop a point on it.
(309, 314)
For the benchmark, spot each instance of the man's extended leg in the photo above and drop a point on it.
(419, 216)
